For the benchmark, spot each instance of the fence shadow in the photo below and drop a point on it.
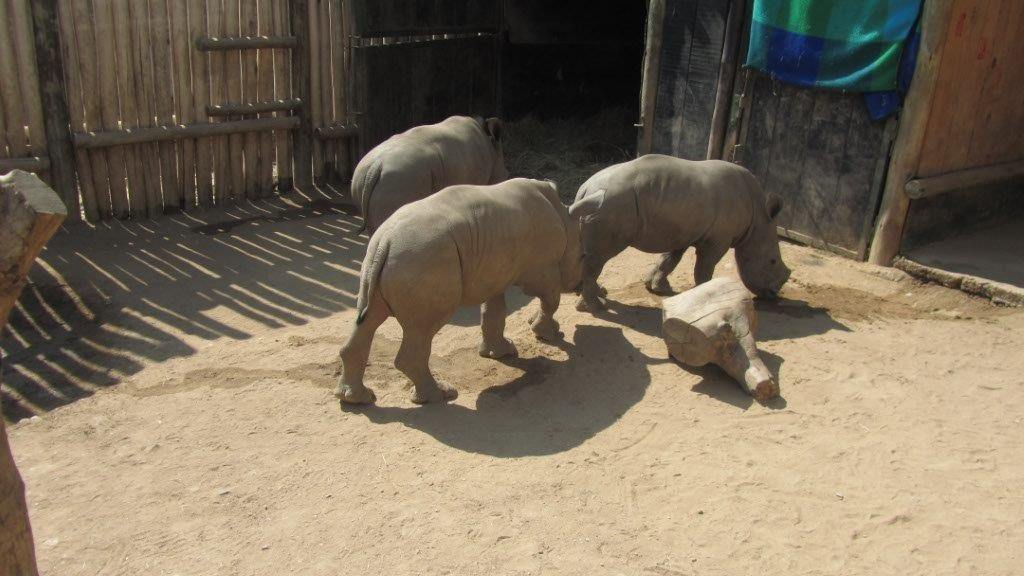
(105, 299)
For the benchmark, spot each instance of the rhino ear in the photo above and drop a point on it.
(773, 204)
(494, 127)
(587, 205)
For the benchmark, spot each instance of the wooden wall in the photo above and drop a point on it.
(22, 138)
(977, 115)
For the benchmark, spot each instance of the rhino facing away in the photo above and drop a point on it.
(464, 245)
(663, 204)
(422, 160)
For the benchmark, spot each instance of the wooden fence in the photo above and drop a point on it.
(179, 104)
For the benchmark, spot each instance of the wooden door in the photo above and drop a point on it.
(420, 61)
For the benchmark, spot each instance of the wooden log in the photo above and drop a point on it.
(951, 181)
(283, 93)
(250, 89)
(264, 92)
(329, 149)
(715, 322)
(218, 93)
(106, 61)
(316, 96)
(142, 70)
(93, 140)
(340, 40)
(30, 164)
(200, 101)
(183, 106)
(233, 78)
(138, 183)
(86, 45)
(75, 108)
(301, 67)
(249, 108)
(163, 94)
(28, 73)
(906, 153)
(336, 131)
(10, 95)
(726, 78)
(246, 43)
(652, 69)
(30, 213)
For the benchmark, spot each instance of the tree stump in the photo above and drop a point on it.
(715, 323)
(30, 213)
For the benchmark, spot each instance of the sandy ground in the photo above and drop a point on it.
(182, 375)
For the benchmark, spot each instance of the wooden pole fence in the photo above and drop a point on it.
(88, 140)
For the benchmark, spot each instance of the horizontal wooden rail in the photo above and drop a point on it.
(207, 44)
(335, 131)
(234, 109)
(86, 140)
(30, 164)
(935, 185)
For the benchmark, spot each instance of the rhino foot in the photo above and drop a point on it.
(498, 350)
(659, 286)
(591, 304)
(440, 392)
(354, 395)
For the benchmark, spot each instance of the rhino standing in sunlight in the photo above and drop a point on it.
(465, 245)
(422, 160)
(663, 204)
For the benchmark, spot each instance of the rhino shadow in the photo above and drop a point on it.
(788, 318)
(553, 406)
(716, 384)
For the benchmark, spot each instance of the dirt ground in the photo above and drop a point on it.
(182, 375)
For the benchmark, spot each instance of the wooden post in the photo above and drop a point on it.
(906, 152)
(303, 139)
(32, 212)
(652, 68)
(50, 66)
(726, 77)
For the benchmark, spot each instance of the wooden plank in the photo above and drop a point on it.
(28, 75)
(10, 95)
(208, 44)
(315, 91)
(415, 17)
(282, 91)
(910, 138)
(250, 108)
(857, 195)
(961, 179)
(86, 48)
(183, 106)
(726, 76)
(143, 74)
(812, 205)
(250, 93)
(265, 91)
(138, 183)
(53, 99)
(339, 60)
(698, 98)
(106, 61)
(302, 89)
(76, 108)
(673, 75)
(337, 131)
(218, 95)
(233, 78)
(326, 85)
(173, 132)
(788, 150)
(200, 101)
(28, 164)
(163, 92)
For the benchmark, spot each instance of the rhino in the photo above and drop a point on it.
(465, 245)
(663, 204)
(422, 160)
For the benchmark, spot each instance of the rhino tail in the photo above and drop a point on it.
(369, 280)
(366, 182)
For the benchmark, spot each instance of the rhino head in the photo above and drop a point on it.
(757, 255)
(572, 261)
(493, 128)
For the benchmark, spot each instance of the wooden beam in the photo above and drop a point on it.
(208, 44)
(241, 109)
(726, 78)
(88, 140)
(335, 131)
(906, 153)
(30, 213)
(302, 148)
(950, 181)
(652, 68)
(50, 67)
(30, 164)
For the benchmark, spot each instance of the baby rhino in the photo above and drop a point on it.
(662, 204)
(422, 160)
(464, 245)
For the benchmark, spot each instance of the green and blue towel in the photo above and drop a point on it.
(852, 45)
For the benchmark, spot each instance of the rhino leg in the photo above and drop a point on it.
(708, 256)
(657, 279)
(547, 286)
(413, 360)
(492, 324)
(356, 352)
(592, 295)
